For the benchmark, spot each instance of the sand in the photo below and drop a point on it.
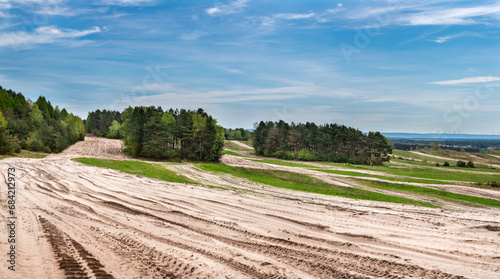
(80, 221)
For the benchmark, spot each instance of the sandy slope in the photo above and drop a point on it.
(244, 145)
(85, 222)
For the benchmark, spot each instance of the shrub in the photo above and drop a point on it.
(446, 164)
(437, 164)
(461, 164)
(494, 183)
(305, 155)
(470, 164)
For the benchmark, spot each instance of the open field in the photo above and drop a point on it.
(81, 221)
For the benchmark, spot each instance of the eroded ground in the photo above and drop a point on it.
(79, 221)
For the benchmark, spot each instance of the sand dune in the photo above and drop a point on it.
(80, 221)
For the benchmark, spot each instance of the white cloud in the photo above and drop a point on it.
(444, 39)
(42, 35)
(193, 35)
(294, 16)
(127, 2)
(227, 9)
(468, 80)
(453, 16)
(231, 70)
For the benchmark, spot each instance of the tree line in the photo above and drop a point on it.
(153, 133)
(35, 126)
(329, 142)
(238, 134)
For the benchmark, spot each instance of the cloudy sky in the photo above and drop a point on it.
(392, 66)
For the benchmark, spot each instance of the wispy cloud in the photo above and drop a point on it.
(42, 35)
(231, 70)
(444, 39)
(193, 35)
(293, 16)
(468, 80)
(450, 16)
(127, 2)
(227, 9)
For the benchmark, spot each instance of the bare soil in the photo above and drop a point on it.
(79, 221)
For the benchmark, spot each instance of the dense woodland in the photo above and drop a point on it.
(35, 126)
(238, 134)
(330, 142)
(153, 133)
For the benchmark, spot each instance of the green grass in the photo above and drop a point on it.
(229, 152)
(305, 183)
(135, 167)
(444, 195)
(427, 173)
(26, 154)
(452, 166)
(396, 179)
(281, 163)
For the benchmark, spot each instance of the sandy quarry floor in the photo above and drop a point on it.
(78, 221)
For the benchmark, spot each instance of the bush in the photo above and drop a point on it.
(305, 155)
(470, 164)
(446, 164)
(437, 165)
(461, 164)
(494, 183)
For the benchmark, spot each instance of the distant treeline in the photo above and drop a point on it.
(238, 134)
(330, 142)
(35, 126)
(468, 145)
(153, 133)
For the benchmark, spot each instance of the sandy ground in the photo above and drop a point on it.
(78, 221)
(244, 145)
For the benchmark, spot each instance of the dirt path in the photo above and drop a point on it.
(78, 221)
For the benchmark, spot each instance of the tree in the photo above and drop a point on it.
(115, 130)
(36, 116)
(435, 146)
(6, 146)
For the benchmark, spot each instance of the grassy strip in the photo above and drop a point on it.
(135, 167)
(452, 167)
(281, 163)
(305, 183)
(397, 179)
(444, 195)
(26, 154)
(428, 173)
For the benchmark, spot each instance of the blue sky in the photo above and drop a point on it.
(392, 66)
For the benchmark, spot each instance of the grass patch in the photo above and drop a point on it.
(281, 163)
(397, 179)
(440, 173)
(444, 195)
(26, 154)
(135, 167)
(229, 152)
(305, 183)
(452, 166)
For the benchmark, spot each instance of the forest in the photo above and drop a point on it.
(329, 142)
(35, 126)
(238, 134)
(151, 132)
